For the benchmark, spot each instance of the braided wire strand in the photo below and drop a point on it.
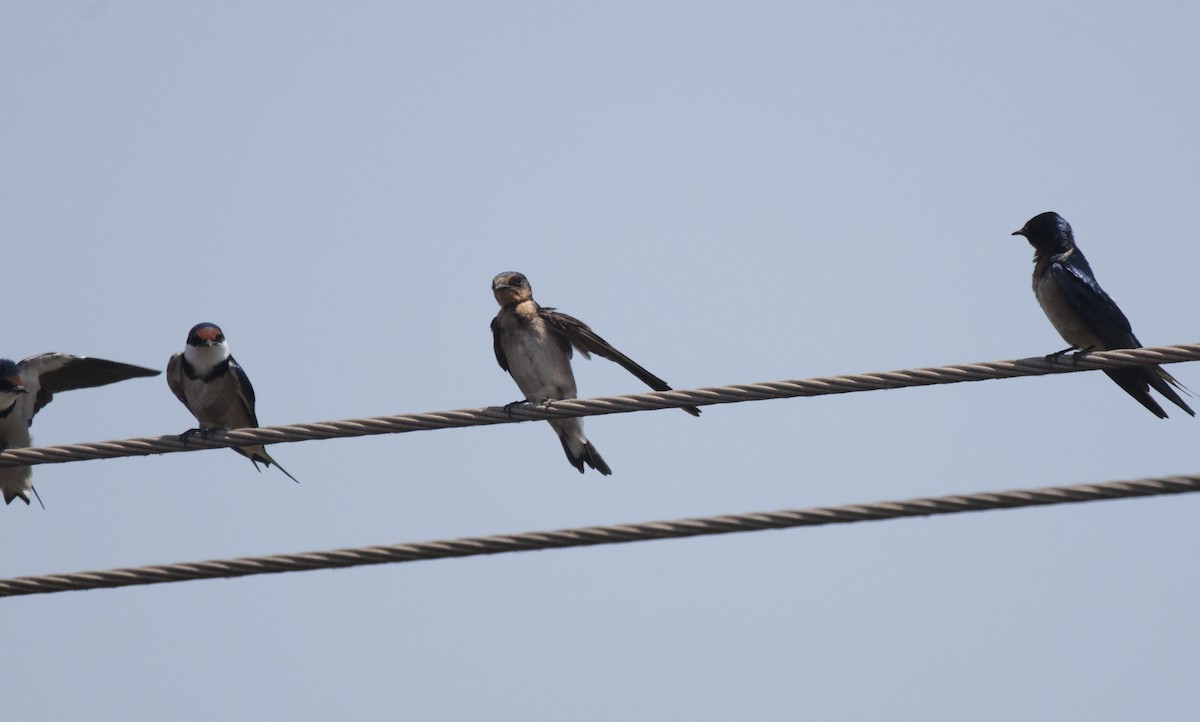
(596, 535)
(737, 393)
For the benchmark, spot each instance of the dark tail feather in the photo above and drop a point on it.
(577, 462)
(10, 495)
(1162, 383)
(258, 455)
(692, 410)
(594, 459)
(39, 497)
(1135, 383)
(285, 471)
(589, 456)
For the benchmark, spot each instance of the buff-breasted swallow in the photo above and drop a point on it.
(1083, 314)
(28, 386)
(213, 386)
(534, 345)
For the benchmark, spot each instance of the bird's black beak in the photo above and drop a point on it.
(20, 390)
(500, 286)
(1018, 233)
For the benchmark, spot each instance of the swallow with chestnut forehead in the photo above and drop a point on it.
(213, 386)
(27, 386)
(1083, 314)
(534, 345)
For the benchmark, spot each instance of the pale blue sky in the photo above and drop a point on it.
(729, 192)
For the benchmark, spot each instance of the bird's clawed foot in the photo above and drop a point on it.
(203, 432)
(1080, 354)
(509, 407)
(1052, 358)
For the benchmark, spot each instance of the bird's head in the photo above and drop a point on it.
(511, 287)
(206, 345)
(1048, 233)
(205, 334)
(10, 379)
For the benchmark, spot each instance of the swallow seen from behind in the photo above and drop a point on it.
(212, 385)
(27, 386)
(534, 345)
(1083, 313)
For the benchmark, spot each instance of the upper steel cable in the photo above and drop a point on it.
(819, 386)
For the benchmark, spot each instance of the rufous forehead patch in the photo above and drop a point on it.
(208, 334)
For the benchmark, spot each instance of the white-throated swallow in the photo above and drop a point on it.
(1083, 313)
(27, 386)
(534, 345)
(212, 386)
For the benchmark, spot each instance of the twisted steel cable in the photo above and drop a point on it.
(596, 535)
(402, 423)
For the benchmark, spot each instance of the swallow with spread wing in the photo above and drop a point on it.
(27, 386)
(534, 345)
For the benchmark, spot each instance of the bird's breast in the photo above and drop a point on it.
(14, 428)
(536, 360)
(1073, 328)
(217, 404)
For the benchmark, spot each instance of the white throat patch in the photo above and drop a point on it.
(205, 358)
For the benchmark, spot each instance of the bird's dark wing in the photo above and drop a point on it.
(500, 358)
(245, 389)
(175, 377)
(1086, 299)
(582, 337)
(54, 372)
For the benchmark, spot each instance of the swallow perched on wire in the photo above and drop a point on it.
(213, 386)
(27, 386)
(1083, 313)
(534, 345)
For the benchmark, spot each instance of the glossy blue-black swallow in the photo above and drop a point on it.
(1083, 314)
